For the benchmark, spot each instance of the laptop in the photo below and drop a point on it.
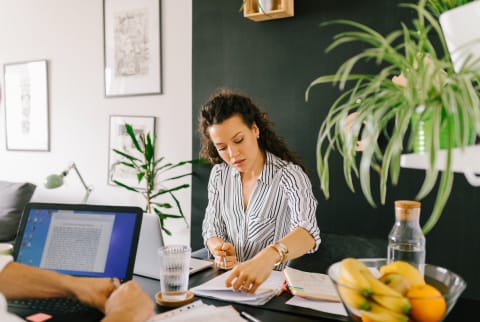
(79, 240)
(147, 262)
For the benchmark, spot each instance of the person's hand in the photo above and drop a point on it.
(92, 291)
(225, 257)
(128, 304)
(249, 275)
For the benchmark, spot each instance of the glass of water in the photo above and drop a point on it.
(174, 271)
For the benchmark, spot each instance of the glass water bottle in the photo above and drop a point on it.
(406, 240)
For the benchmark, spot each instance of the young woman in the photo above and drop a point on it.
(261, 209)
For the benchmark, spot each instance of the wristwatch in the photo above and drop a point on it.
(282, 250)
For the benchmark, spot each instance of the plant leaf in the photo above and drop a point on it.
(131, 133)
(125, 155)
(164, 191)
(125, 186)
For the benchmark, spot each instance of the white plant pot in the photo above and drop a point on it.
(180, 232)
(461, 28)
(265, 5)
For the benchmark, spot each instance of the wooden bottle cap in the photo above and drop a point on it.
(407, 204)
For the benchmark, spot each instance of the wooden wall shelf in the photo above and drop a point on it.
(281, 9)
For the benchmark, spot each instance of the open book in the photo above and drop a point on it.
(215, 288)
(314, 291)
(315, 286)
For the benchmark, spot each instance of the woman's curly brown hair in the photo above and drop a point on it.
(225, 104)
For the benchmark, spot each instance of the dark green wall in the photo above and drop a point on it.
(273, 62)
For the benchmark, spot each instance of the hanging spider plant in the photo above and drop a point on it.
(154, 173)
(384, 109)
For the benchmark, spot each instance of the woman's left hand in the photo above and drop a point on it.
(249, 275)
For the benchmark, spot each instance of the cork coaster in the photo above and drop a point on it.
(160, 301)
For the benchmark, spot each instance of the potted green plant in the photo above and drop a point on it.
(431, 91)
(154, 173)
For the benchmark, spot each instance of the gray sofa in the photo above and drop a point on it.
(13, 198)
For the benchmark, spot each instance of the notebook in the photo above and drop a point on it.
(80, 240)
(147, 262)
(215, 288)
(315, 286)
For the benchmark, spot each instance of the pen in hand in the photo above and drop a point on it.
(224, 257)
(225, 261)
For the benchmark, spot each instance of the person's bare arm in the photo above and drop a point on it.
(22, 281)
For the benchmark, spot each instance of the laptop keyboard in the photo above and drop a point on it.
(51, 305)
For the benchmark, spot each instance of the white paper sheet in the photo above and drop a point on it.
(215, 288)
(323, 306)
(198, 311)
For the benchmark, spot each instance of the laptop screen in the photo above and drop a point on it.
(80, 240)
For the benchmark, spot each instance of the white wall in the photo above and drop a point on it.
(69, 34)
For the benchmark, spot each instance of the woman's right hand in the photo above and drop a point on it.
(224, 254)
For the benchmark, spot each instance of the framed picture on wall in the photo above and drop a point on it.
(132, 47)
(26, 106)
(121, 140)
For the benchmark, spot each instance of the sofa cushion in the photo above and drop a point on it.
(13, 198)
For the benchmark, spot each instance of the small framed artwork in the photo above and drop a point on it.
(26, 106)
(120, 140)
(132, 47)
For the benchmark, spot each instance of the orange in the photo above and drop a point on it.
(365, 319)
(428, 304)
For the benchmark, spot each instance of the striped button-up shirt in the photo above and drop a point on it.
(281, 201)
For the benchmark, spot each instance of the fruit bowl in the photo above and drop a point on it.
(363, 306)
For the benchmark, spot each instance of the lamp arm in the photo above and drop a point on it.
(88, 189)
(87, 194)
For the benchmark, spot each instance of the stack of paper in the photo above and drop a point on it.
(215, 288)
(199, 311)
(335, 308)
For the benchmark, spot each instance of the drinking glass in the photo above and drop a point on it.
(174, 271)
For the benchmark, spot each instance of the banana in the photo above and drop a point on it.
(412, 274)
(395, 304)
(386, 296)
(351, 296)
(378, 313)
(350, 272)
